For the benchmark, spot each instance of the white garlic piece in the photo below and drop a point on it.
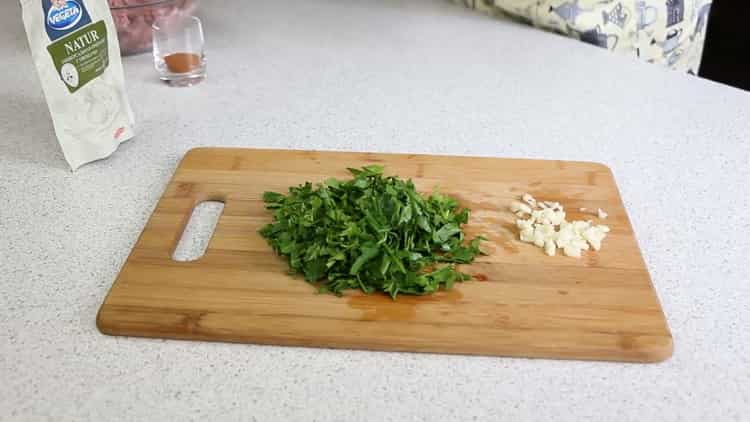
(550, 248)
(572, 251)
(527, 235)
(547, 228)
(517, 206)
(529, 200)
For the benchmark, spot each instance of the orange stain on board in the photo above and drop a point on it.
(510, 247)
(380, 307)
(184, 189)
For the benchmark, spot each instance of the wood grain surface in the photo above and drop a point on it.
(522, 302)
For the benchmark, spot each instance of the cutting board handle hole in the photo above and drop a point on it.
(198, 231)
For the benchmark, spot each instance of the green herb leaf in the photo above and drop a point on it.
(369, 252)
(372, 232)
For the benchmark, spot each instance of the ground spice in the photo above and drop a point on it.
(182, 62)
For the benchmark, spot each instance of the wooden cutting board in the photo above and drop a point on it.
(522, 303)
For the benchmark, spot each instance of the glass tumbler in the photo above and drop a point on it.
(178, 50)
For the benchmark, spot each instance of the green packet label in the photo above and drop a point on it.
(81, 56)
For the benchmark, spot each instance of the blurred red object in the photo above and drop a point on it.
(133, 19)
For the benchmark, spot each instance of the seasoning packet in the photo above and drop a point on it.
(74, 47)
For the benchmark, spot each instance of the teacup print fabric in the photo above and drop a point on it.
(666, 32)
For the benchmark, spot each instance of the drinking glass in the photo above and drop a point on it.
(178, 50)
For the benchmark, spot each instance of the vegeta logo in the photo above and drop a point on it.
(63, 16)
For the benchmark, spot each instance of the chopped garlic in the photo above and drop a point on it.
(550, 248)
(547, 228)
(517, 206)
(580, 226)
(594, 235)
(600, 213)
(527, 235)
(536, 215)
(572, 251)
(529, 199)
(548, 215)
(557, 218)
(553, 205)
(538, 241)
(525, 224)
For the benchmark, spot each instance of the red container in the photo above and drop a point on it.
(133, 19)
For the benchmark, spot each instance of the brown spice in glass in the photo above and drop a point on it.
(182, 62)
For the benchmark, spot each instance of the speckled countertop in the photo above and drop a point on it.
(378, 76)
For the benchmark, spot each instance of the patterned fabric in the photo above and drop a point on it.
(667, 32)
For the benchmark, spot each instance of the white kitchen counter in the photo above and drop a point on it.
(425, 77)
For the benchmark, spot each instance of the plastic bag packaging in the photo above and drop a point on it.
(74, 47)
